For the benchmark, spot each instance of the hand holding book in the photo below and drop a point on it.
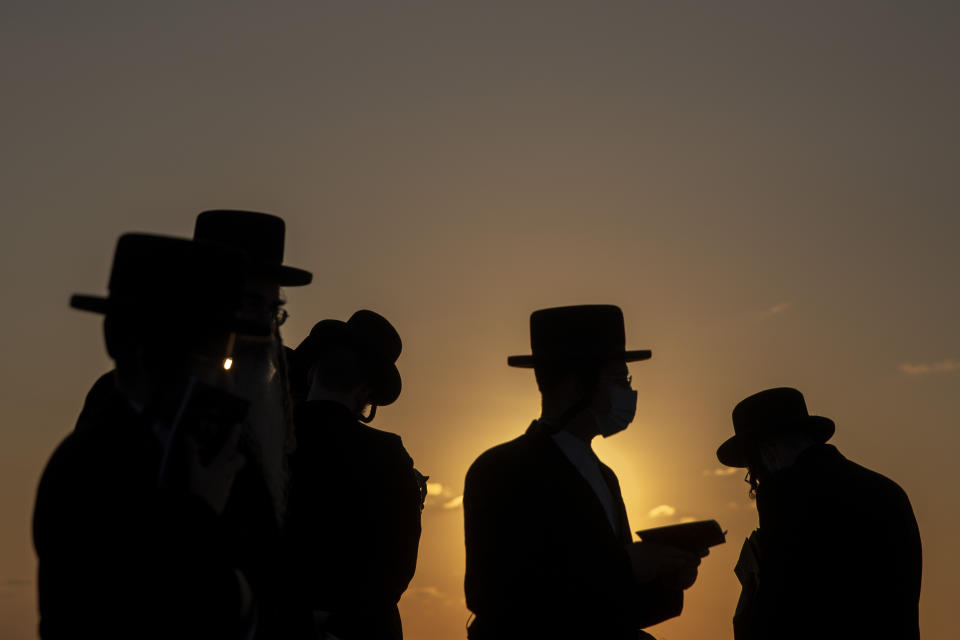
(694, 537)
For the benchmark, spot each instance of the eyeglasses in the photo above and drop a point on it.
(619, 381)
(266, 309)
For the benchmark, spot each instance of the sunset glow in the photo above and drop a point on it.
(767, 190)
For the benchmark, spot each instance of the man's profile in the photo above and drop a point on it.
(127, 524)
(549, 550)
(837, 554)
(355, 501)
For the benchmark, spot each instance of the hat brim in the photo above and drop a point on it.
(731, 452)
(529, 362)
(94, 304)
(283, 275)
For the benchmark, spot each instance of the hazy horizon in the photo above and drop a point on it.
(768, 192)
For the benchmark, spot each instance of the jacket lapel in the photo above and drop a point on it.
(581, 497)
(614, 485)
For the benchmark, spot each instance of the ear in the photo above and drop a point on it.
(122, 348)
(363, 394)
(111, 338)
(599, 396)
(570, 386)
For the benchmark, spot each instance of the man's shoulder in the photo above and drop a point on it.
(88, 447)
(87, 465)
(855, 494)
(867, 481)
(329, 426)
(380, 440)
(517, 455)
(113, 439)
(68, 456)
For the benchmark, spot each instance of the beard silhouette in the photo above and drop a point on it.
(260, 379)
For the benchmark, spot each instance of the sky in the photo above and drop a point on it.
(768, 190)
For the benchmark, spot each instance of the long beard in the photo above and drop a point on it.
(265, 431)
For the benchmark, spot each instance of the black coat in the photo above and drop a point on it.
(840, 555)
(353, 521)
(249, 530)
(118, 557)
(256, 544)
(542, 558)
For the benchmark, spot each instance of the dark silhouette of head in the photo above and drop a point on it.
(170, 311)
(580, 364)
(352, 362)
(261, 237)
(771, 429)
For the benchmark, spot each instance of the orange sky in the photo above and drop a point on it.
(770, 195)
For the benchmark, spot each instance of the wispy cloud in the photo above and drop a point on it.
(686, 519)
(779, 308)
(722, 471)
(432, 596)
(661, 511)
(943, 366)
(442, 496)
(430, 592)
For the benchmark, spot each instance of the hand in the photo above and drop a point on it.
(650, 561)
(683, 578)
(214, 481)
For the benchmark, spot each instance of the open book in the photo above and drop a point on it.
(690, 536)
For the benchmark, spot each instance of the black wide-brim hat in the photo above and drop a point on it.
(172, 286)
(767, 414)
(259, 235)
(591, 332)
(370, 336)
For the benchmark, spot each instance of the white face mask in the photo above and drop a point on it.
(623, 408)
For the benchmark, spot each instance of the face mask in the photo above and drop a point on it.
(623, 408)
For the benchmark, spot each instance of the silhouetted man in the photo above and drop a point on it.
(261, 380)
(255, 513)
(126, 525)
(355, 499)
(260, 237)
(837, 554)
(549, 550)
